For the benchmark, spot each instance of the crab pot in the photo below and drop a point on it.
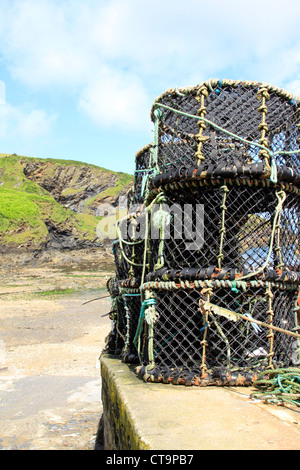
(211, 241)
(126, 306)
(116, 338)
(239, 224)
(194, 339)
(121, 265)
(239, 120)
(142, 174)
(129, 248)
(132, 306)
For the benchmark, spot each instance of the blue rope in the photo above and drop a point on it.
(218, 89)
(139, 329)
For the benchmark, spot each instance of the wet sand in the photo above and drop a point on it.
(50, 342)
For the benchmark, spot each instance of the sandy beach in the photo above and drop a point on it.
(52, 332)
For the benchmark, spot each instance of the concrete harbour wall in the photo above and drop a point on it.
(150, 416)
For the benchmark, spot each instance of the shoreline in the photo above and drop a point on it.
(50, 343)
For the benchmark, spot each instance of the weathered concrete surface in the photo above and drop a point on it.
(141, 416)
(50, 384)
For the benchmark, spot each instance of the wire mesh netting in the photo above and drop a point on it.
(129, 248)
(207, 259)
(190, 344)
(125, 312)
(143, 171)
(229, 122)
(240, 228)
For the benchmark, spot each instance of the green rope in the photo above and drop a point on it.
(127, 335)
(224, 337)
(135, 242)
(296, 309)
(158, 115)
(137, 338)
(281, 196)
(161, 220)
(273, 176)
(158, 200)
(222, 230)
(172, 285)
(121, 241)
(279, 386)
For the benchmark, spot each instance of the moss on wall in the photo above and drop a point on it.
(120, 429)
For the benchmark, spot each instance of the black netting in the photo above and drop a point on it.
(240, 117)
(121, 265)
(129, 248)
(237, 224)
(143, 172)
(125, 312)
(188, 343)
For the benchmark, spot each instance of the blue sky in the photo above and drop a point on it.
(78, 77)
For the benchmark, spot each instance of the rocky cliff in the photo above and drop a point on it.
(77, 186)
(54, 204)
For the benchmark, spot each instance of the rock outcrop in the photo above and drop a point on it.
(79, 187)
(48, 204)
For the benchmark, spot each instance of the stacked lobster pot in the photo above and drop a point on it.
(219, 262)
(128, 250)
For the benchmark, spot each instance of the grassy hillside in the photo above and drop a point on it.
(28, 212)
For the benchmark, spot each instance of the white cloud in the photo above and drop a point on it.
(2, 92)
(294, 87)
(116, 56)
(24, 124)
(116, 99)
(40, 44)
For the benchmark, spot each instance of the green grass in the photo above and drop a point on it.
(18, 206)
(83, 276)
(60, 161)
(55, 292)
(25, 206)
(20, 217)
(124, 180)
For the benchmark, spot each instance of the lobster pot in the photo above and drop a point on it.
(197, 336)
(126, 306)
(238, 224)
(207, 258)
(116, 338)
(143, 171)
(129, 248)
(132, 304)
(121, 265)
(240, 120)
